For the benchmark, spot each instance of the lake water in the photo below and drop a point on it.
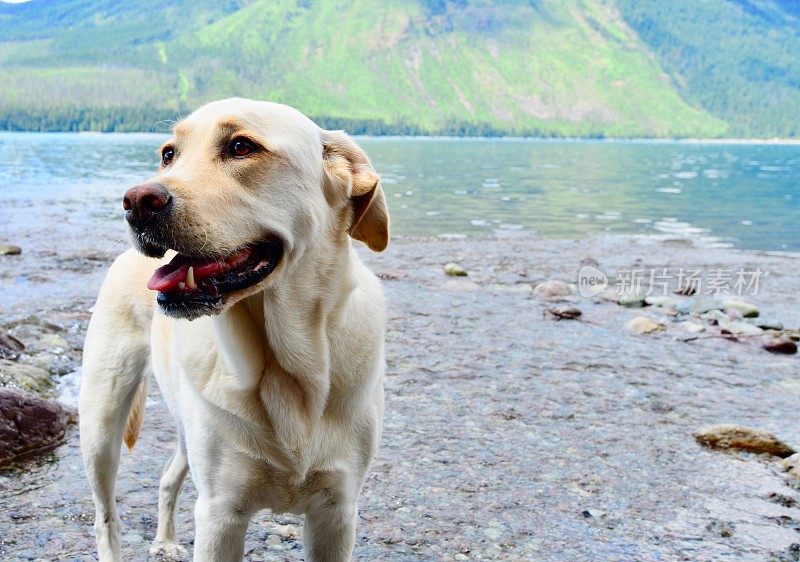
(730, 194)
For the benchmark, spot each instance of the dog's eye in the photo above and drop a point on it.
(241, 147)
(167, 155)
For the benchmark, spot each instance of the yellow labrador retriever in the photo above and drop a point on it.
(262, 326)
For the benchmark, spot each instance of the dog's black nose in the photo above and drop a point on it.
(145, 202)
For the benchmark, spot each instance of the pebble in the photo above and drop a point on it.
(53, 340)
(274, 540)
(664, 302)
(564, 313)
(644, 325)
(705, 305)
(24, 376)
(720, 528)
(737, 437)
(738, 328)
(769, 325)
(734, 314)
(692, 327)
(493, 533)
(791, 464)
(716, 316)
(461, 556)
(552, 289)
(10, 347)
(687, 290)
(783, 346)
(747, 309)
(633, 300)
(10, 250)
(455, 270)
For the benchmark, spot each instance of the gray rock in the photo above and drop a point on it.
(30, 425)
(747, 309)
(455, 270)
(10, 347)
(53, 340)
(25, 377)
(704, 305)
(692, 327)
(725, 436)
(769, 325)
(662, 301)
(10, 250)
(715, 316)
(632, 300)
(738, 328)
(734, 314)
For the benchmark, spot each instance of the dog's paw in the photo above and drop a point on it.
(168, 551)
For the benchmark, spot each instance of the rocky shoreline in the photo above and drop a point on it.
(525, 420)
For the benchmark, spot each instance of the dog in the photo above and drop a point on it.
(244, 296)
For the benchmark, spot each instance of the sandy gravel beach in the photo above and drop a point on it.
(508, 435)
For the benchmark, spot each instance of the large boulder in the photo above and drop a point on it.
(30, 425)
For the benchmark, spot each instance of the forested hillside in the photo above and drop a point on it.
(737, 59)
(540, 67)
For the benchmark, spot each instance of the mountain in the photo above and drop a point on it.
(705, 68)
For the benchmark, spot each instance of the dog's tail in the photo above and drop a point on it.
(136, 415)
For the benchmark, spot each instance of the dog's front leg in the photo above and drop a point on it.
(329, 531)
(220, 529)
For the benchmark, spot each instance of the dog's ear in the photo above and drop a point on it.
(350, 175)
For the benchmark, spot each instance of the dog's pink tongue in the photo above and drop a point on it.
(168, 276)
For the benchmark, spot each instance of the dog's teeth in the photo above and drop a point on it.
(182, 286)
(190, 279)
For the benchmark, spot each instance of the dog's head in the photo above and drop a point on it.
(246, 188)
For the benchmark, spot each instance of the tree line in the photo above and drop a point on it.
(125, 120)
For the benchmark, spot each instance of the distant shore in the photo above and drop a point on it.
(498, 137)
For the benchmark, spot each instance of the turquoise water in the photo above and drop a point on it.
(730, 194)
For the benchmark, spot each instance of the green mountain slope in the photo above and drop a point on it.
(546, 67)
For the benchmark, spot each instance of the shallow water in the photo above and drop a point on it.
(508, 436)
(744, 195)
